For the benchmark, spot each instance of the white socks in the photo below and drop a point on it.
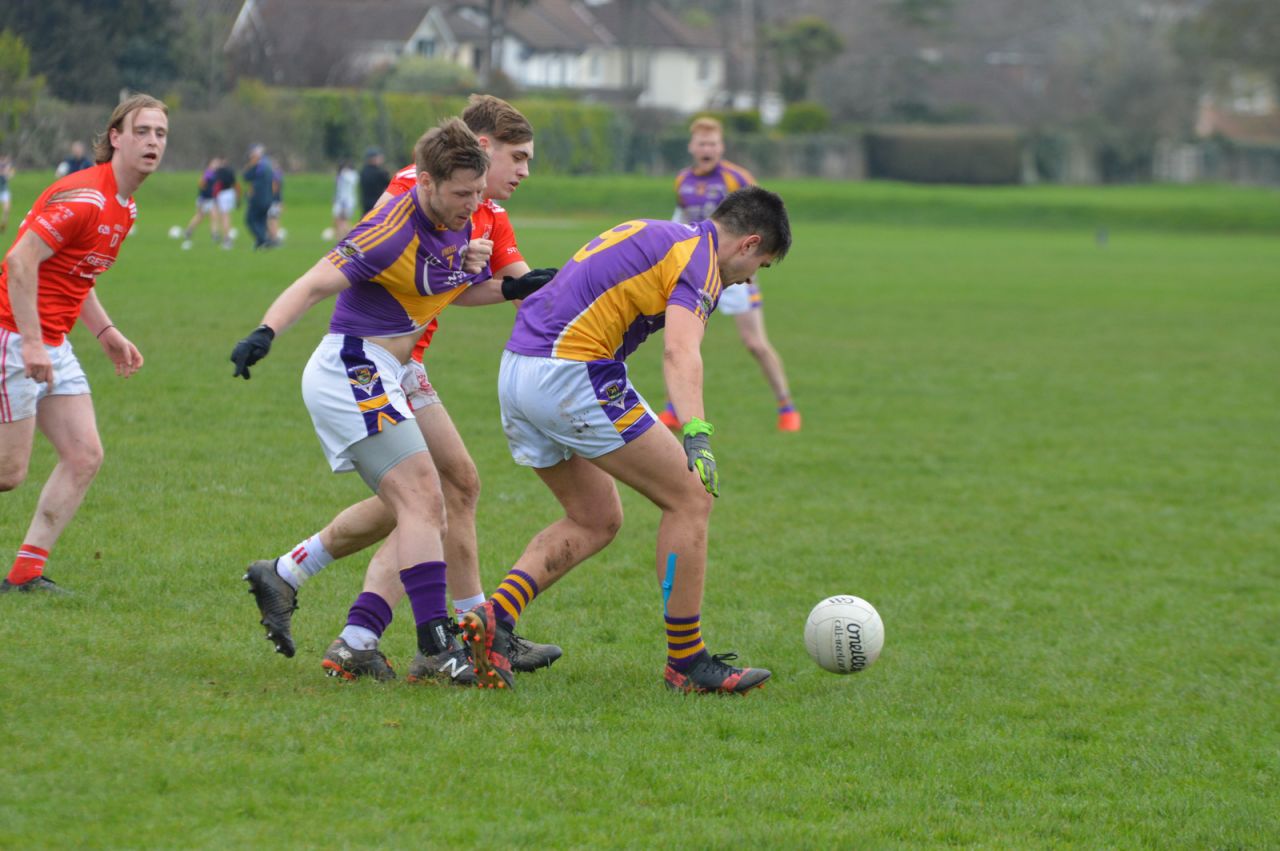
(303, 561)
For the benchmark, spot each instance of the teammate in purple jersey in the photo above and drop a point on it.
(570, 412)
(699, 189)
(393, 274)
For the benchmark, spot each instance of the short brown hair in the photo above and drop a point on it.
(449, 147)
(705, 124)
(489, 116)
(102, 149)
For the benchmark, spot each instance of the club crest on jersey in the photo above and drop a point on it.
(346, 249)
(613, 393)
(361, 376)
(707, 304)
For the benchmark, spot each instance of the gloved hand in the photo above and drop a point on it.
(527, 284)
(697, 448)
(251, 349)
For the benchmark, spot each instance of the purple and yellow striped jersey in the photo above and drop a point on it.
(616, 290)
(698, 195)
(403, 271)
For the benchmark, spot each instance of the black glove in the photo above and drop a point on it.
(697, 448)
(527, 284)
(251, 349)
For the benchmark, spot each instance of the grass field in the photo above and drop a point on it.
(1051, 462)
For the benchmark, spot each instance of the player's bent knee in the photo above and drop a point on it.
(12, 478)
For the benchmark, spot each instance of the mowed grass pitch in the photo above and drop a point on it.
(1051, 464)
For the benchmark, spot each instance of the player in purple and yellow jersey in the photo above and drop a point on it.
(699, 189)
(570, 412)
(392, 274)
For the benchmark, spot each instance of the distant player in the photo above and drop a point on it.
(569, 411)
(506, 135)
(72, 234)
(226, 197)
(206, 205)
(393, 274)
(345, 186)
(6, 200)
(699, 189)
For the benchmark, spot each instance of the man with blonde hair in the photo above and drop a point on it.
(699, 190)
(72, 234)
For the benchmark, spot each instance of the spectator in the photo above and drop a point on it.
(77, 161)
(374, 179)
(259, 178)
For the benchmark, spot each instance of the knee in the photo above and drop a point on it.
(603, 522)
(758, 347)
(461, 486)
(85, 461)
(12, 476)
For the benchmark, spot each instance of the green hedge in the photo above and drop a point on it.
(987, 155)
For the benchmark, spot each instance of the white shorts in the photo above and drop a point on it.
(740, 298)
(344, 208)
(417, 388)
(19, 395)
(352, 389)
(554, 408)
(273, 212)
(204, 205)
(226, 200)
(4, 196)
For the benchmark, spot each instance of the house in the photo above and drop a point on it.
(636, 52)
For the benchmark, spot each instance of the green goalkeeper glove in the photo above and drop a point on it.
(697, 448)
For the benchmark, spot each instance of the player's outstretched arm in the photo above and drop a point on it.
(508, 288)
(319, 282)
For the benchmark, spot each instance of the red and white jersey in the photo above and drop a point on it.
(83, 220)
(489, 221)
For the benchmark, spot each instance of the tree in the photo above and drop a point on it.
(18, 89)
(89, 51)
(1242, 33)
(799, 48)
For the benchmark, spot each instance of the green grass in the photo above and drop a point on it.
(1051, 464)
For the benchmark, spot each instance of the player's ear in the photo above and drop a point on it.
(751, 243)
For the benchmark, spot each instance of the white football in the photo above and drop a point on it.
(175, 232)
(326, 234)
(844, 634)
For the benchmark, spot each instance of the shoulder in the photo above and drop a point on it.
(737, 172)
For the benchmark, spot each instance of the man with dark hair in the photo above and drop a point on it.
(570, 411)
(373, 180)
(393, 274)
(72, 234)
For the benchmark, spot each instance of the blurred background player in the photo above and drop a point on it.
(75, 161)
(699, 189)
(570, 412)
(206, 205)
(6, 174)
(226, 197)
(72, 234)
(274, 231)
(344, 199)
(259, 177)
(506, 135)
(373, 180)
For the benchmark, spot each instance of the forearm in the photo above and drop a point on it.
(682, 372)
(318, 283)
(94, 316)
(479, 295)
(23, 288)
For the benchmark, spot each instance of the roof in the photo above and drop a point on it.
(292, 23)
(575, 25)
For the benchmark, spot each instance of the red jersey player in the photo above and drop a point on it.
(70, 236)
(507, 137)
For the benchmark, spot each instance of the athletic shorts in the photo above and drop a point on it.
(226, 200)
(352, 389)
(344, 208)
(417, 388)
(273, 212)
(5, 197)
(554, 408)
(740, 298)
(19, 395)
(204, 205)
